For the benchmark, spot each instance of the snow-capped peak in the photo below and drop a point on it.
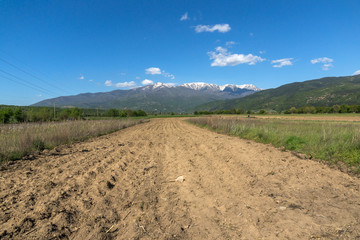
(203, 86)
(244, 86)
(200, 86)
(158, 85)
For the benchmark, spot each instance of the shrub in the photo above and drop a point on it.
(38, 144)
(293, 142)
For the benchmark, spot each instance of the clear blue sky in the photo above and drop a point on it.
(57, 48)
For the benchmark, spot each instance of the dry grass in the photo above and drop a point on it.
(18, 140)
(330, 141)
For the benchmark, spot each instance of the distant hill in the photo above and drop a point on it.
(327, 91)
(157, 97)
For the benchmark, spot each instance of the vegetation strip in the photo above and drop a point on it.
(333, 142)
(19, 140)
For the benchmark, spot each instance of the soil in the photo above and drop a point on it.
(122, 186)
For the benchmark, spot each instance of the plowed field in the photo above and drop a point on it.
(122, 186)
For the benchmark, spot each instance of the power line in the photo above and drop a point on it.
(24, 84)
(32, 75)
(29, 83)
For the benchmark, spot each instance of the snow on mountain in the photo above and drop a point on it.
(158, 85)
(244, 86)
(204, 86)
(200, 86)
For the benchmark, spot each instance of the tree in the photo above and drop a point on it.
(262, 111)
(112, 112)
(18, 115)
(293, 110)
(344, 108)
(5, 115)
(336, 108)
(70, 113)
(142, 113)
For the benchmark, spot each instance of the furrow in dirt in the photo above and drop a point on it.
(122, 186)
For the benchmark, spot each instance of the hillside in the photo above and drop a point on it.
(320, 92)
(158, 97)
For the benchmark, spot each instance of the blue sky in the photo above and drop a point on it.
(57, 48)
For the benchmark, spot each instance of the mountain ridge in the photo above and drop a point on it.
(158, 97)
(326, 91)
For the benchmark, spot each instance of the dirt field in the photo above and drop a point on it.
(122, 186)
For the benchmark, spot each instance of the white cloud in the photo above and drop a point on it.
(223, 28)
(262, 52)
(39, 95)
(108, 83)
(356, 73)
(81, 77)
(282, 62)
(223, 58)
(153, 70)
(168, 75)
(91, 80)
(251, 34)
(321, 60)
(230, 43)
(147, 82)
(327, 62)
(131, 84)
(327, 66)
(137, 77)
(157, 71)
(185, 17)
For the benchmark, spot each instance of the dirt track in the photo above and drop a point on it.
(121, 186)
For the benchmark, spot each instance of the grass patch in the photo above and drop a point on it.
(326, 140)
(19, 140)
(294, 143)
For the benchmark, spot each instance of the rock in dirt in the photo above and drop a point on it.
(180, 179)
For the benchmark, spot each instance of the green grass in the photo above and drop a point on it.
(332, 141)
(19, 140)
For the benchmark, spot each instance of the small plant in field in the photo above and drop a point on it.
(39, 144)
(294, 142)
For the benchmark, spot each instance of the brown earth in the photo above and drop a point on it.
(122, 186)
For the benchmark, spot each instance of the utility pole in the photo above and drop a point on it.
(97, 112)
(54, 111)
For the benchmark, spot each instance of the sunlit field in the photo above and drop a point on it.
(18, 140)
(332, 141)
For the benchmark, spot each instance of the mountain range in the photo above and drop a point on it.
(159, 97)
(327, 91)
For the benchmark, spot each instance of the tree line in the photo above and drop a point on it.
(231, 111)
(344, 108)
(46, 114)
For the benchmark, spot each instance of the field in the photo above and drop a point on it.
(123, 186)
(19, 140)
(335, 139)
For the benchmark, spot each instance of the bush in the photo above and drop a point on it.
(5, 115)
(262, 111)
(113, 113)
(39, 144)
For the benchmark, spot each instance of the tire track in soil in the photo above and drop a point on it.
(121, 186)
